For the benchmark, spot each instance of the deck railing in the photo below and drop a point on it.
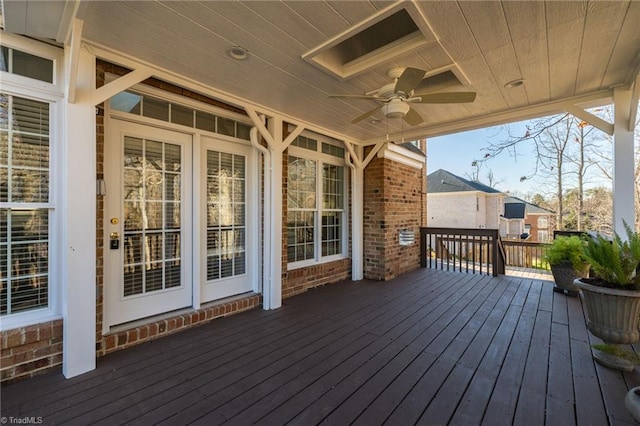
(525, 254)
(478, 251)
(469, 250)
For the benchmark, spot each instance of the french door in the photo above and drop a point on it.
(156, 260)
(147, 250)
(228, 236)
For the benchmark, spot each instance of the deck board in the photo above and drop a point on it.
(431, 347)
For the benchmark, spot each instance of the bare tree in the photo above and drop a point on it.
(557, 159)
(605, 161)
(491, 179)
(583, 135)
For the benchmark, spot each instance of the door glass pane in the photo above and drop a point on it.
(225, 215)
(152, 211)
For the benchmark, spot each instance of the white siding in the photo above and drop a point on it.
(453, 210)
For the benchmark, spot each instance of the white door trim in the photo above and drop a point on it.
(117, 309)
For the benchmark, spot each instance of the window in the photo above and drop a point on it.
(25, 64)
(316, 214)
(543, 222)
(543, 236)
(24, 204)
(141, 104)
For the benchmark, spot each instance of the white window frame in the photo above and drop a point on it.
(25, 87)
(543, 222)
(320, 159)
(42, 50)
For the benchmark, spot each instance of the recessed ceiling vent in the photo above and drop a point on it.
(391, 33)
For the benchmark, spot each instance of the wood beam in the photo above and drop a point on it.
(292, 136)
(123, 83)
(635, 96)
(73, 60)
(597, 122)
(510, 116)
(67, 22)
(355, 157)
(259, 124)
(373, 153)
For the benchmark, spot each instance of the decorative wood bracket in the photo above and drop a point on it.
(73, 60)
(597, 122)
(274, 137)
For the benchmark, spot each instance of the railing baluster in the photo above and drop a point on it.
(478, 249)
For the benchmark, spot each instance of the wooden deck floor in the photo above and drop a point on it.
(432, 347)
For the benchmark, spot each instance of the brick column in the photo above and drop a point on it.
(394, 201)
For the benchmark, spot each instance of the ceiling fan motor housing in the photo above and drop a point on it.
(395, 109)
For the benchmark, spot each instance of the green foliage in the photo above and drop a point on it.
(566, 249)
(615, 262)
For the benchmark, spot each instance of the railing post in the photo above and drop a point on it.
(494, 253)
(423, 248)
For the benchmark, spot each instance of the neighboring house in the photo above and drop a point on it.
(538, 221)
(512, 225)
(456, 202)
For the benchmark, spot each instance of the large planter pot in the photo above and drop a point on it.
(612, 314)
(564, 274)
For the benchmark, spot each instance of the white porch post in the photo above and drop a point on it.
(272, 297)
(623, 162)
(78, 222)
(357, 221)
(273, 135)
(357, 211)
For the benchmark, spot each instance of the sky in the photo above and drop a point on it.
(455, 153)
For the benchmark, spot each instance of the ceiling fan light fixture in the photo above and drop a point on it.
(395, 109)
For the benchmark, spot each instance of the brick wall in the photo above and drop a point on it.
(28, 351)
(300, 280)
(394, 201)
(143, 333)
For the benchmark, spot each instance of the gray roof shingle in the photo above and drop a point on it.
(530, 208)
(444, 181)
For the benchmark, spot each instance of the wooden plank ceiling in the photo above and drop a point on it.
(561, 50)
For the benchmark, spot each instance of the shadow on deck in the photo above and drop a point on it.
(431, 347)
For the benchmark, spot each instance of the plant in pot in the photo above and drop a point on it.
(612, 297)
(567, 262)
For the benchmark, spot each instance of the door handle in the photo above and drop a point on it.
(114, 242)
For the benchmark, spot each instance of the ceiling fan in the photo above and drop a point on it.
(395, 97)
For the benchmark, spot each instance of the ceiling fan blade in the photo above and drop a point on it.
(354, 97)
(445, 98)
(365, 115)
(409, 79)
(412, 117)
